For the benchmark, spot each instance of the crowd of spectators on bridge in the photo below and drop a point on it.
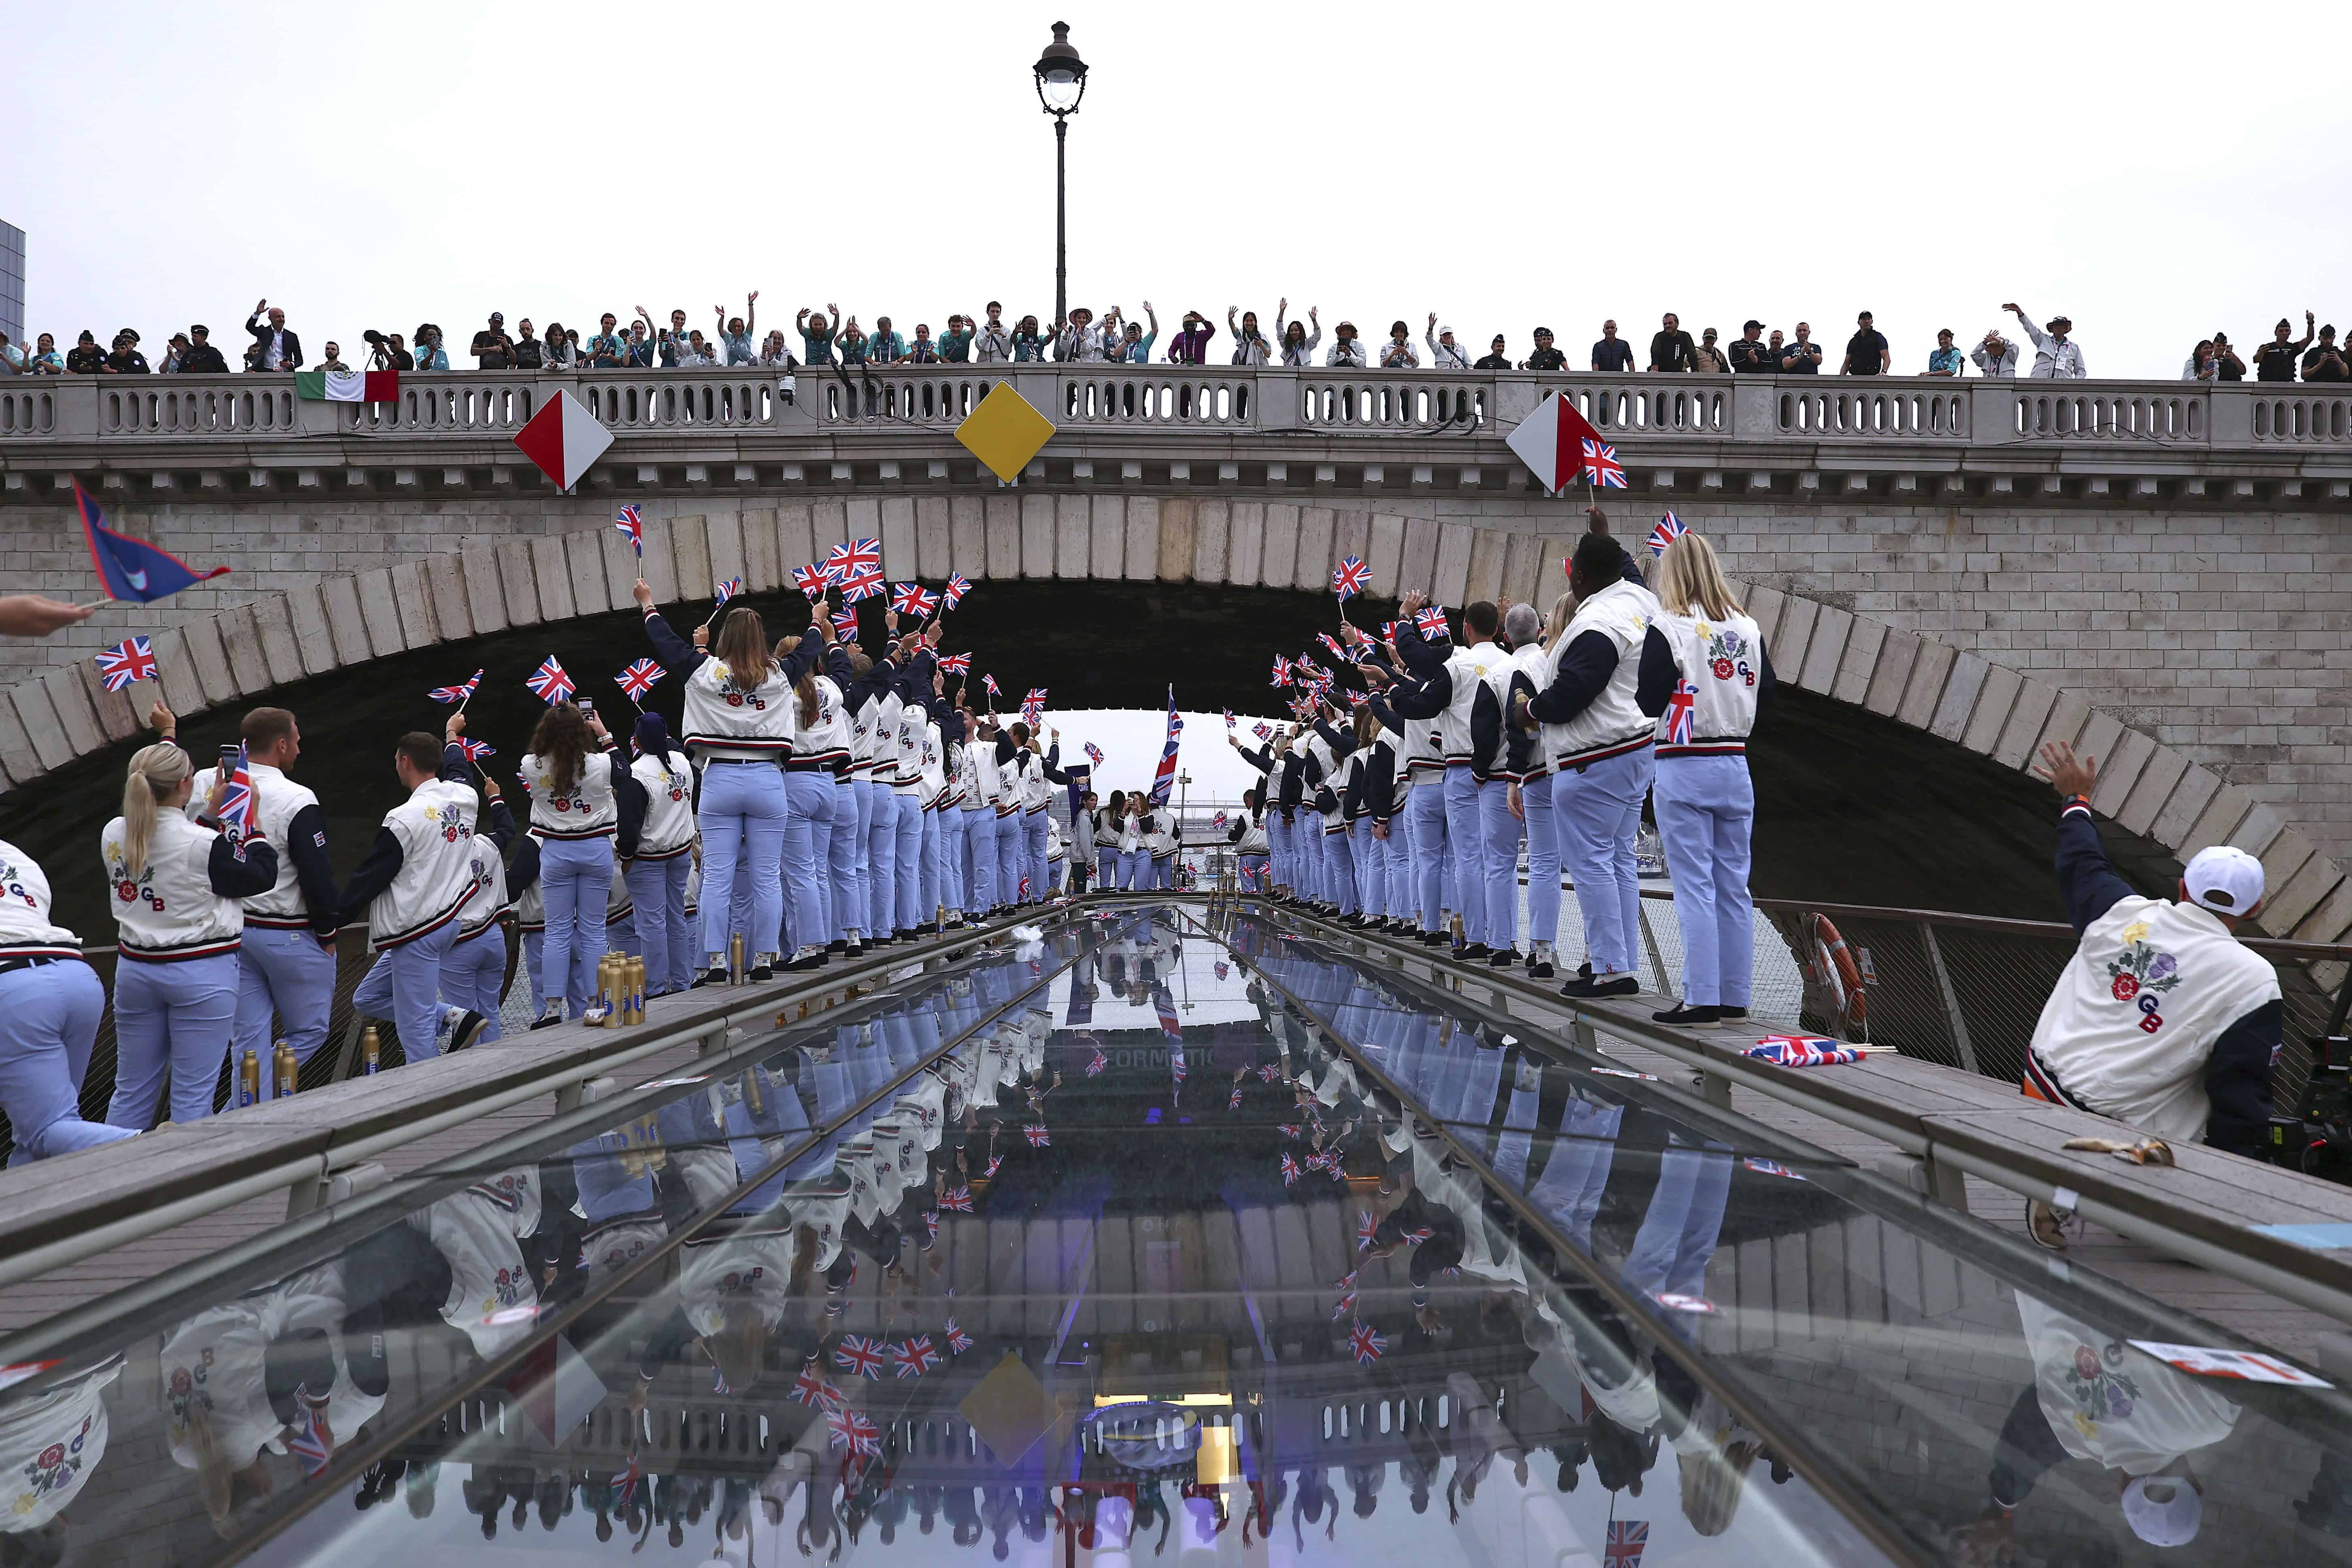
(827, 337)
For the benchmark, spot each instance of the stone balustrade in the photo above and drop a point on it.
(1167, 426)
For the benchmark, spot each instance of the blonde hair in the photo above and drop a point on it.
(155, 772)
(1690, 579)
(1563, 610)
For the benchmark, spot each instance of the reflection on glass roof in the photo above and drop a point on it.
(1145, 1240)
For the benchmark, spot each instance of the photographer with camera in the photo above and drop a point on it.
(493, 350)
(2161, 1019)
(386, 352)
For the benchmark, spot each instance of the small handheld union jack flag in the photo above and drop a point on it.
(1367, 1343)
(127, 661)
(1235, 1101)
(638, 679)
(633, 528)
(956, 664)
(1039, 1138)
(868, 585)
(1801, 1051)
(1094, 753)
(958, 586)
(1290, 1130)
(307, 1439)
(1231, 721)
(958, 1341)
(1350, 578)
(860, 1357)
(957, 1200)
(1345, 1305)
(457, 693)
(240, 806)
(1262, 731)
(1036, 699)
(1628, 1538)
(1602, 467)
(626, 1485)
(845, 623)
(811, 581)
(854, 559)
(726, 588)
(1678, 713)
(549, 683)
(812, 1389)
(1431, 622)
(852, 1430)
(1281, 670)
(907, 598)
(988, 684)
(1095, 1067)
(1289, 1172)
(1670, 528)
(915, 1356)
(1219, 821)
(1368, 1227)
(476, 749)
(1332, 644)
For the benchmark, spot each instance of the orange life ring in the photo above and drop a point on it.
(1839, 968)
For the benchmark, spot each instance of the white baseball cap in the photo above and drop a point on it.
(2227, 881)
(2163, 1511)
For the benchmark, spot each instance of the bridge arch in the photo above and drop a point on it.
(239, 653)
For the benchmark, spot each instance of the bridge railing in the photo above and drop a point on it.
(1183, 400)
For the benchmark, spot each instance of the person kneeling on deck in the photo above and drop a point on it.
(2161, 1019)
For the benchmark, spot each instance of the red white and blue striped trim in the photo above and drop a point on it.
(1735, 747)
(1604, 752)
(2074, 803)
(402, 937)
(645, 854)
(12, 950)
(2042, 1084)
(210, 947)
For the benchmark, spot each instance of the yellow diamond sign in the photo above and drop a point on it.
(1009, 1407)
(1005, 432)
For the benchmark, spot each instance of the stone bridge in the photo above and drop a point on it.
(2147, 569)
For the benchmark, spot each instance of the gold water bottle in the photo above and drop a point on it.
(248, 1078)
(371, 1047)
(285, 1068)
(735, 959)
(637, 990)
(607, 991)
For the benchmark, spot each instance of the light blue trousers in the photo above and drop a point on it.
(845, 908)
(1339, 870)
(1705, 807)
(575, 879)
(742, 814)
(471, 975)
(1595, 813)
(658, 889)
(1679, 1230)
(980, 857)
(1010, 870)
(174, 1019)
(1543, 861)
(1033, 851)
(48, 1017)
(810, 800)
(906, 816)
(877, 814)
(404, 985)
(952, 820)
(1135, 869)
(1466, 836)
(288, 972)
(1499, 865)
(1435, 887)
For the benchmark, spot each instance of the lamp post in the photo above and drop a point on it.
(1061, 83)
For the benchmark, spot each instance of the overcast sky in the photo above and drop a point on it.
(2156, 175)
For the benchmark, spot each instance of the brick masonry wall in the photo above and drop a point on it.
(2201, 653)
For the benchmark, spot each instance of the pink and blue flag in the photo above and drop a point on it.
(131, 659)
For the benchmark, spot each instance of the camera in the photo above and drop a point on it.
(2318, 1139)
(372, 335)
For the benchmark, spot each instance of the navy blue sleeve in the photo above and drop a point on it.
(1653, 685)
(373, 877)
(1341, 742)
(867, 688)
(1486, 728)
(1628, 570)
(522, 871)
(1262, 759)
(629, 799)
(306, 846)
(1422, 656)
(1582, 672)
(1521, 745)
(502, 824)
(241, 877)
(1426, 699)
(1766, 681)
(837, 665)
(2087, 882)
(1378, 779)
(455, 766)
(678, 656)
(804, 659)
(2238, 1081)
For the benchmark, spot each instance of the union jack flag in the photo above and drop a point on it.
(956, 664)
(1358, 699)
(308, 1440)
(1678, 713)
(1670, 528)
(931, 1224)
(867, 586)
(1235, 1103)
(1039, 1138)
(958, 586)
(1262, 731)
(1231, 721)
(1367, 1228)
(1094, 753)
(995, 1161)
(909, 599)
(811, 1388)
(627, 1482)
(958, 1341)
(1176, 1064)
(638, 679)
(856, 559)
(1345, 1305)
(1801, 1051)
(1281, 670)
(633, 528)
(1291, 1130)
(549, 683)
(726, 589)
(1095, 1067)
(1431, 622)
(811, 581)
(1289, 1170)
(1366, 1343)
(1163, 777)
(1337, 648)
(477, 750)
(1350, 578)
(1269, 1072)
(859, 1357)
(130, 661)
(1415, 1237)
(1627, 1539)
(1600, 464)
(915, 1356)
(240, 807)
(1165, 1005)
(845, 623)
(1035, 699)
(988, 684)
(957, 1200)
(1219, 821)
(850, 1429)
(457, 693)
(1773, 1168)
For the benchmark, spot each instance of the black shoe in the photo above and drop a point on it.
(545, 1023)
(929, 928)
(1432, 939)
(807, 961)
(468, 1030)
(1729, 1015)
(713, 976)
(763, 972)
(853, 949)
(1690, 1016)
(1505, 958)
(1473, 952)
(1584, 986)
(1540, 970)
(903, 934)
(1584, 970)
(838, 944)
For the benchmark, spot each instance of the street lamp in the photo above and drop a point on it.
(1061, 83)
